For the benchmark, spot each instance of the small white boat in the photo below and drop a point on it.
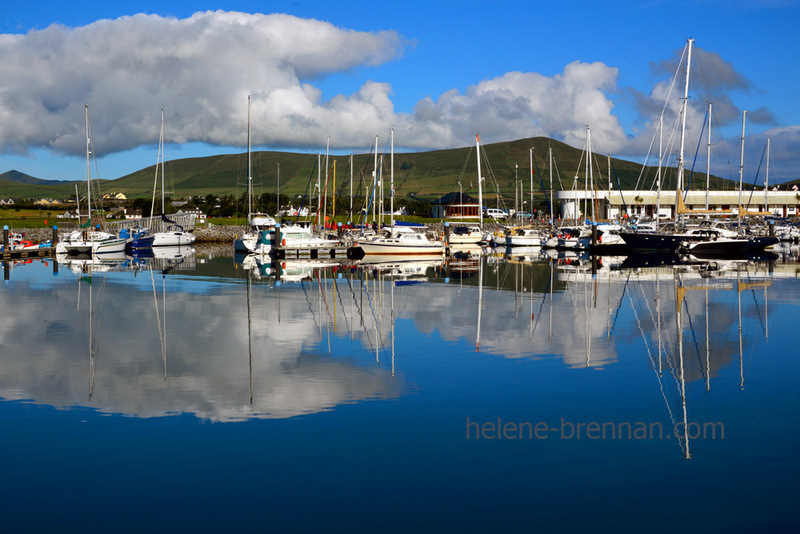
(520, 236)
(91, 242)
(400, 240)
(569, 238)
(292, 237)
(256, 222)
(466, 235)
(173, 238)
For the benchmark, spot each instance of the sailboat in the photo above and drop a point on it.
(399, 239)
(695, 242)
(256, 222)
(90, 241)
(738, 244)
(471, 235)
(174, 235)
(524, 236)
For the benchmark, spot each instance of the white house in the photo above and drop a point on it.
(199, 216)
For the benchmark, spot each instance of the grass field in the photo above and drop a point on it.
(22, 218)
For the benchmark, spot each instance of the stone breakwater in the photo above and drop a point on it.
(218, 234)
(212, 234)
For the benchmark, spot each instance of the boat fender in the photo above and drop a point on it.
(283, 242)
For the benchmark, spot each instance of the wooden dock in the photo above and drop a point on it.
(287, 253)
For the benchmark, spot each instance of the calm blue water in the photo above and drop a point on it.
(201, 395)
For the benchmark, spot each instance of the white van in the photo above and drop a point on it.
(496, 214)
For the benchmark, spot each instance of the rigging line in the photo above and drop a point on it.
(663, 110)
(755, 178)
(500, 199)
(324, 297)
(99, 319)
(755, 303)
(158, 316)
(374, 189)
(355, 300)
(619, 188)
(619, 306)
(310, 308)
(696, 152)
(541, 306)
(346, 321)
(544, 189)
(694, 340)
(375, 319)
(363, 182)
(653, 365)
(305, 194)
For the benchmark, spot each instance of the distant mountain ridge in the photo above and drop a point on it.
(422, 174)
(22, 178)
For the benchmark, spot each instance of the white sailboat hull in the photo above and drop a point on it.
(390, 248)
(92, 243)
(172, 239)
(472, 238)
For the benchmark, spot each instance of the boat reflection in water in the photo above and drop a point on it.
(340, 372)
(266, 355)
(279, 339)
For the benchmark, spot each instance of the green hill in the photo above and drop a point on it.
(22, 178)
(422, 174)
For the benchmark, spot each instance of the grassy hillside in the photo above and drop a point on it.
(423, 174)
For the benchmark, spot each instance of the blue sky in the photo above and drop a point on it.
(438, 72)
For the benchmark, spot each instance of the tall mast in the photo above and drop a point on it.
(375, 179)
(660, 161)
(88, 167)
(391, 181)
(278, 195)
(249, 169)
(161, 146)
(350, 214)
(708, 157)
(591, 176)
(530, 208)
(683, 125)
(550, 152)
(480, 186)
(516, 192)
(333, 196)
(586, 175)
(766, 182)
(327, 175)
(741, 177)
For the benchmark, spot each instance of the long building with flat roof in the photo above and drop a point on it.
(612, 204)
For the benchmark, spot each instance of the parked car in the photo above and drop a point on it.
(496, 214)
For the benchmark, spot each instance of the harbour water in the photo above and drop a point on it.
(202, 392)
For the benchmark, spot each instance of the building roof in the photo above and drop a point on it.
(456, 199)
